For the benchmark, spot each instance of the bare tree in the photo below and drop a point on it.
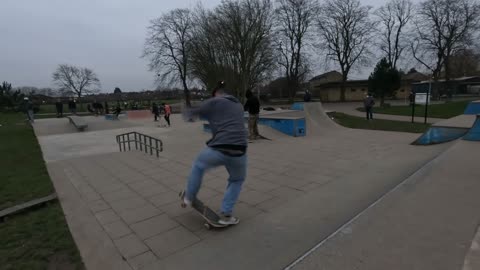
(209, 59)
(443, 27)
(464, 63)
(168, 48)
(394, 17)
(76, 80)
(294, 20)
(345, 29)
(244, 33)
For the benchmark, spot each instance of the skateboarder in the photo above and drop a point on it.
(227, 147)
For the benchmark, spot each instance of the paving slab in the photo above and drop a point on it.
(153, 226)
(117, 229)
(143, 260)
(130, 246)
(171, 241)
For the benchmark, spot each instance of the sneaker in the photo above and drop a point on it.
(228, 220)
(185, 202)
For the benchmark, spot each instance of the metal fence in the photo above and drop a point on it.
(137, 141)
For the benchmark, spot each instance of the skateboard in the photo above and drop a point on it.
(211, 217)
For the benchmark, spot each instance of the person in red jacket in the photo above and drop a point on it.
(168, 111)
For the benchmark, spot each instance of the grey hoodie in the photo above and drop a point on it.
(225, 116)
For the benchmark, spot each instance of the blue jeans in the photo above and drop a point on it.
(30, 116)
(210, 158)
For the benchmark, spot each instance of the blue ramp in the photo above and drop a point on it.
(298, 106)
(474, 133)
(473, 108)
(291, 126)
(436, 135)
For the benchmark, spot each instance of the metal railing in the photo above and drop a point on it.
(142, 142)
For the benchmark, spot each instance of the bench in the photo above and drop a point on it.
(24, 206)
(78, 122)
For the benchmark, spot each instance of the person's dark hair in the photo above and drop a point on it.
(220, 88)
(248, 94)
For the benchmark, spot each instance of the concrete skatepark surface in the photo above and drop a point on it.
(123, 210)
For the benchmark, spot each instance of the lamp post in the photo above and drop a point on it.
(412, 103)
(426, 101)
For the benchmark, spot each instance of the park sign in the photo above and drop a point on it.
(421, 91)
(421, 98)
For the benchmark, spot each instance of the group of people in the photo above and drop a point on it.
(97, 108)
(72, 107)
(165, 108)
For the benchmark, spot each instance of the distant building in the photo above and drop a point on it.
(456, 86)
(327, 86)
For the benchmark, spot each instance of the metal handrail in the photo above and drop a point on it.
(142, 142)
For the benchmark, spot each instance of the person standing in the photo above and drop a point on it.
(155, 111)
(308, 96)
(227, 147)
(411, 98)
(168, 110)
(253, 107)
(369, 102)
(72, 106)
(117, 110)
(59, 107)
(28, 109)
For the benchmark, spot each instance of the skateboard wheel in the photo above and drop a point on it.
(208, 226)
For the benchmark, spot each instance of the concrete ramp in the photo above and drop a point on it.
(446, 131)
(318, 122)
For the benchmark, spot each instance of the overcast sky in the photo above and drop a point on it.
(104, 35)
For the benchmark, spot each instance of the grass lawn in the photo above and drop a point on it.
(40, 238)
(447, 110)
(377, 124)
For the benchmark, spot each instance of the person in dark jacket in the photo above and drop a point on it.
(307, 97)
(107, 109)
(28, 109)
(117, 110)
(72, 106)
(253, 107)
(227, 147)
(155, 111)
(368, 103)
(59, 107)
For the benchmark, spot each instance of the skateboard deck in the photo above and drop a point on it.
(211, 217)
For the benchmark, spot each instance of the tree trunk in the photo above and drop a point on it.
(292, 90)
(186, 93)
(79, 95)
(448, 91)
